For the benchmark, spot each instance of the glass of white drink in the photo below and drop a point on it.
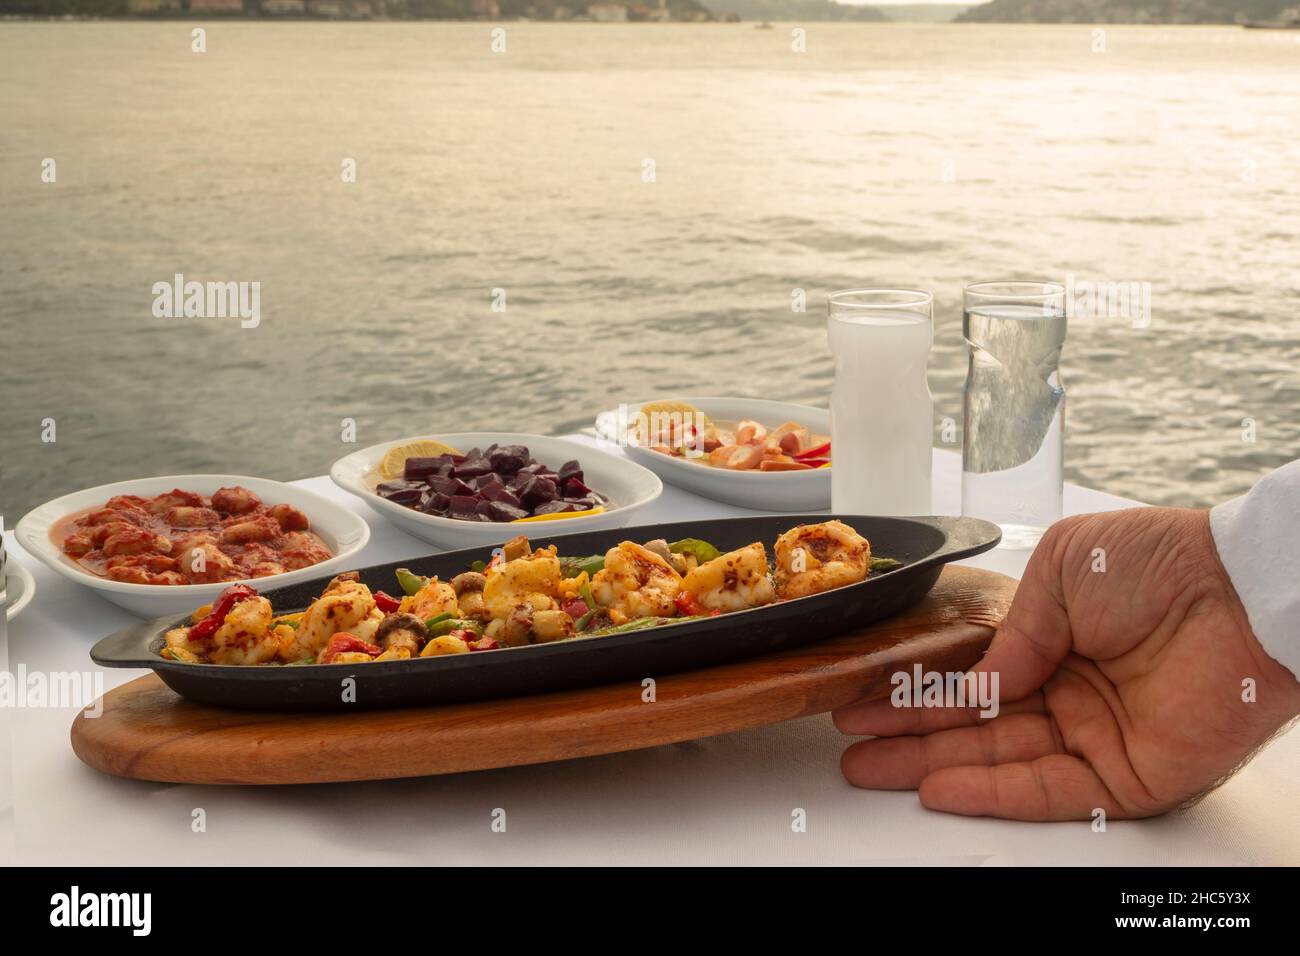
(881, 409)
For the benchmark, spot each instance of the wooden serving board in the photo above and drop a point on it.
(147, 732)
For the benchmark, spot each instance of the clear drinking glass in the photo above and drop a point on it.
(882, 414)
(1013, 447)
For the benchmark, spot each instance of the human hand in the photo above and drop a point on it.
(1127, 685)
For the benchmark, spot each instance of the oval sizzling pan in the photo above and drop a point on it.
(923, 544)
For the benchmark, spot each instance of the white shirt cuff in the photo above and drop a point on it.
(1258, 538)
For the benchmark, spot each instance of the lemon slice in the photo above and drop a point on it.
(394, 462)
(669, 411)
(564, 514)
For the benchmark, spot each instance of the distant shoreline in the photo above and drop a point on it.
(309, 18)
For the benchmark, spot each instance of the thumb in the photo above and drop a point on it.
(1035, 635)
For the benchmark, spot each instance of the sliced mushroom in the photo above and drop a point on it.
(519, 627)
(660, 547)
(469, 581)
(516, 547)
(401, 630)
(471, 605)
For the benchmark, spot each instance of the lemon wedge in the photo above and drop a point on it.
(564, 514)
(393, 464)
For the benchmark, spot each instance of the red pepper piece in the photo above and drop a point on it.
(386, 602)
(817, 451)
(344, 643)
(220, 608)
(575, 608)
(815, 462)
(688, 605)
(484, 644)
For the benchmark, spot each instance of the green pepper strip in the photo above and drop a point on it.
(445, 624)
(589, 599)
(410, 582)
(572, 567)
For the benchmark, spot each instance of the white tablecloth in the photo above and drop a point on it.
(722, 800)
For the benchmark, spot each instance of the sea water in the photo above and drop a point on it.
(1013, 445)
(881, 413)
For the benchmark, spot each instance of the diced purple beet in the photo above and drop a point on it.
(570, 469)
(573, 487)
(500, 511)
(451, 486)
(403, 496)
(556, 508)
(485, 482)
(435, 503)
(463, 506)
(503, 495)
(484, 508)
(397, 484)
(531, 468)
(418, 469)
(508, 460)
(538, 491)
(584, 504)
(442, 483)
(471, 468)
(401, 492)
(471, 454)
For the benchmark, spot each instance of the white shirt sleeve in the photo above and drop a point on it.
(1258, 538)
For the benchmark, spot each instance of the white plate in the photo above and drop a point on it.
(20, 587)
(763, 490)
(630, 487)
(346, 533)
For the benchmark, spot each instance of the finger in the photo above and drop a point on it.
(1056, 787)
(1035, 635)
(901, 763)
(883, 718)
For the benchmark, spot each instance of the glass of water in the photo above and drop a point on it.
(1013, 446)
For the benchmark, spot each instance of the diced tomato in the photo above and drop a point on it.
(386, 602)
(344, 643)
(817, 451)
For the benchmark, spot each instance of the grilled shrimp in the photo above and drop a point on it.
(733, 581)
(245, 637)
(820, 557)
(636, 582)
(346, 605)
(531, 582)
(433, 599)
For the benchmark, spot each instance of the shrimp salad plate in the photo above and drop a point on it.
(534, 616)
(770, 456)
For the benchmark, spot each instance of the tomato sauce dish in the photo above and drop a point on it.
(157, 545)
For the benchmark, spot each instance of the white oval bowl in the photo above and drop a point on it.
(20, 588)
(630, 486)
(761, 490)
(345, 531)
